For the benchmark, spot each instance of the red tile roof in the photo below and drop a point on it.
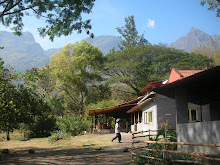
(186, 73)
(179, 74)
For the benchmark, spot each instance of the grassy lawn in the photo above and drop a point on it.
(18, 143)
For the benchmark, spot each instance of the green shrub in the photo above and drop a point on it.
(58, 136)
(42, 126)
(73, 125)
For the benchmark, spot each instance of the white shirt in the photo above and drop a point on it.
(117, 128)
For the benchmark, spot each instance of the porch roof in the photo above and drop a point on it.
(138, 107)
(116, 109)
(202, 87)
(150, 86)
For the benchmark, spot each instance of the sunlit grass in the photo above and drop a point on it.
(17, 142)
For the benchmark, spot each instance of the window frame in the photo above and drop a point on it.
(190, 114)
(146, 117)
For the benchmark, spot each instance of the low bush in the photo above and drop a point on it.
(42, 126)
(74, 125)
(58, 136)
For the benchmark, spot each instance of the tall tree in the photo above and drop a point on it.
(129, 34)
(180, 60)
(9, 118)
(121, 65)
(76, 69)
(138, 66)
(133, 65)
(61, 17)
(18, 104)
(8, 112)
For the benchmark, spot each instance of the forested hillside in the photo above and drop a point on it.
(23, 52)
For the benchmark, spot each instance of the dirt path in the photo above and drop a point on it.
(109, 154)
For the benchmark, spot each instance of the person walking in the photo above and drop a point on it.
(117, 131)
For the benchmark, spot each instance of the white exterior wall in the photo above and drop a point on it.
(154, 125)
(139, 127)
(132, 128)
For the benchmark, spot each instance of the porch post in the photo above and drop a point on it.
(91, 127)
(181, 105)
(134, 118)
(131, 119)
(135, 124)
(94, 121)
(126, 126)
(138, 116)
(98, 123)
(201, 111)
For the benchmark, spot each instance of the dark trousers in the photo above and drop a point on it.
(118, 135)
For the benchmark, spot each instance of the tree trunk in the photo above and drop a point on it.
(7, 135)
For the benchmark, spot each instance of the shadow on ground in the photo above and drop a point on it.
(88, 155)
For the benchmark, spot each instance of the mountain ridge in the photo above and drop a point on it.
(24, 52)
(21, 53)
(196, 38)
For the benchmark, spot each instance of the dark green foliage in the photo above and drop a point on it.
(42, 126)
(138, 66)
(57, 105)
(101, 92)
(179, 60)
(9, 113)
(61, 17)
(69, 126)
(18, 104)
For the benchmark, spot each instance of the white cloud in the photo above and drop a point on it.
(150, 23)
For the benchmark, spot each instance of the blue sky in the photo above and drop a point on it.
(161, 21)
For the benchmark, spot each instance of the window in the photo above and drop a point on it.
(145, 118)
(193, 114)
(148, 117)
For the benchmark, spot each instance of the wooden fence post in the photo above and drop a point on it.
(132, 146)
